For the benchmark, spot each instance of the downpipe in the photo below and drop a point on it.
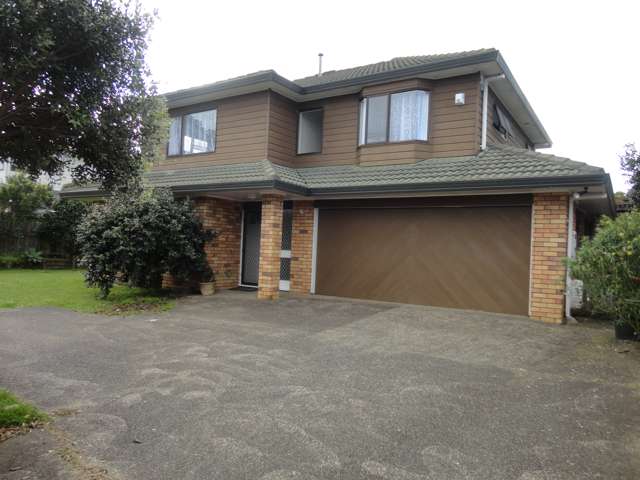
(485, 101)
(570, 254)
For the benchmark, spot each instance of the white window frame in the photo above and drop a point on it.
(362, 119)
(181, 145)
(300, 113)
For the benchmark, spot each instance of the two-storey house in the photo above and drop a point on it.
(412, 180)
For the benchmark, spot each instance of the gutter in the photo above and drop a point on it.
(551, 182)
(485, 106)
(477, 185)
(273, 78)
(509, 76)
(489, 56)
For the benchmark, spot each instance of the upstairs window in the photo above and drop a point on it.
(501, 121)
(193, 133)
(310, 131)
(398, 117)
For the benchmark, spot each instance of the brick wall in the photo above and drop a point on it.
(270, 246)
(548, 249)
(223, 252)
(302, 246)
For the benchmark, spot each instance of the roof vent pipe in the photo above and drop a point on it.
(485, 101)
(320, 55)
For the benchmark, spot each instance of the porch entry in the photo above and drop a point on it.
(250, 264)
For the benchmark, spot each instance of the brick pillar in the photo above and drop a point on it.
(270, 246)
(223, 252)
(548, 250)
(301, 246)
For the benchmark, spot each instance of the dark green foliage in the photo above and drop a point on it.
(139, 238)
(32, 258)
(630, 163)
(74, 84)
(59, 226)
(609, 266)
(10, 260)
(21, 200)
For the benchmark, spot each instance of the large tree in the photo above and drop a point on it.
(74, 84)
(630, 163)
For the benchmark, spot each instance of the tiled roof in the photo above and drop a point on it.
(218, 174)
(495, 164)
(394, 65)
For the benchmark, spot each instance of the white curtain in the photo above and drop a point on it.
(174, 136)
(409, 113)
(199, 132)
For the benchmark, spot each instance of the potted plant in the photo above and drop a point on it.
(207, 285)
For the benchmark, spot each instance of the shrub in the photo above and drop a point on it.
(10, 260)
(31, 258)
(21, 200)
(139, 238)
(609, 266)
(59, 226)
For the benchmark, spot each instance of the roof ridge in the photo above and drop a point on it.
(268, 169)
(432, 56)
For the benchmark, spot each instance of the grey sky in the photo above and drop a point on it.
(577, 62)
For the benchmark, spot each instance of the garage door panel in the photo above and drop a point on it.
(476, 258)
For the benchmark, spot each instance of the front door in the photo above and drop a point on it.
(252, 217)
(251, 244)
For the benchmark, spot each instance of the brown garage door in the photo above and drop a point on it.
(461, 257)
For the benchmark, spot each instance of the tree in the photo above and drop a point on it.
(609, 266)
(20, 200)
(74, 85)
(59, 226)
(630, 163)
(139, 238)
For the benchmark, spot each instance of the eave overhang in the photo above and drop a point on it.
(487, 63)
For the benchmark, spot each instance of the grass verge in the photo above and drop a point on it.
(66, 289)
(16, 413)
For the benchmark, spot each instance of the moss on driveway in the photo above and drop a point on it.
(66, 289)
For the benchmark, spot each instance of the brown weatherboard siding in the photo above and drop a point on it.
(339, 134)
(519, 139)
(282, 128)
(241, 134)
(453, 130)
(264, 125)
(399, 86)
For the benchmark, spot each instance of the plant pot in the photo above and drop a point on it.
(207, 289)
(624, 331)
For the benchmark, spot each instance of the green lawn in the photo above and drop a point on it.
(66, 289)
(15, 413)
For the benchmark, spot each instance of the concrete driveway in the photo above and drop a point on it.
(231, 388)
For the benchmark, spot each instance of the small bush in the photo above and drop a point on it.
(609, 266)
(31, 258)
(59, 226)
(10, 260)
(137, 239)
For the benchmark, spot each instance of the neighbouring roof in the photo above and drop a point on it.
(487, 61)
(497, 167)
